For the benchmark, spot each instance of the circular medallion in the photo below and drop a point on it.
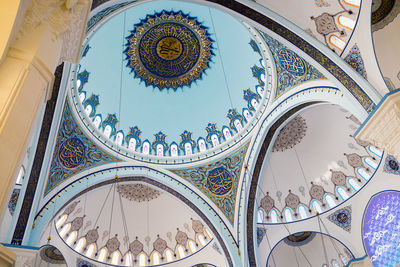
(292, 63)
(392, 165)
(169, 50)
(51, 254)
(342, 217)
(219, 182)
(71, 153)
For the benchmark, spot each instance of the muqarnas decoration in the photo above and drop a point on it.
(381, 229)
(355, 60)
(342, 218)
(218, 180)
(169, 50)
(291, 68)
(392, 165)
(74, 152)
(291, 134)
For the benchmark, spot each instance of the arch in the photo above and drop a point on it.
(227, 133)
(180, 251)
(355, 3)
(342, 193)
(174, 150)
(344, 259)
(260, 216)
(90, 250)
(335, 263)
(302, 211)
(61, 221)
(263, 78)
(346, 22)
(363, 173)
(88, 109)
(273, 214)
(192, 246)
(156, 257)
(246, 114)
(188, 148)
(132, 144)
(254, 103)
(119, 138)
(330, 200)
(353, 183)
(202, 145)
(238, 125)
(169, 255)
(82, 96)
(316, 206)
(115, 257)
(202, 240)
(107, 131)
(376, 151)
(71, 238)
(260, 90)
(80, 244)
(214, 140)
(102, 254)
(160, 150)
(21, 175)
(142, 258)
(368, 161)
(208, 234)
(128, 259)
(337, 42)
(65, 230)
(146, 147)
(97, 121)
(287, 212)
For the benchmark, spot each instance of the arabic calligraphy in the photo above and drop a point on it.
(169, 50)
(71, 153)
(219, 181)
(292, 62)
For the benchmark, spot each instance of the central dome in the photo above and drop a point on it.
(169, 50)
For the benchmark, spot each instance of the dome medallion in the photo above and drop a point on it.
(169, 50)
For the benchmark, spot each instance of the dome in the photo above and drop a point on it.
(170, 80)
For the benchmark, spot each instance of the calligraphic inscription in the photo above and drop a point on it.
(342, 218)
(292, 62)
(381, 229)
(392, 165)
(169, 50)
(219, 181)
(71, 153)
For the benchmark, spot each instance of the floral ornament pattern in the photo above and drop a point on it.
(13, 201)
(291, 134)
(392, 165)
(342, 218)
(78, 152)
(199, 176)
(138, 192)
(355, 60)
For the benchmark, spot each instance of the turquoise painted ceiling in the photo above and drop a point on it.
(189, 108)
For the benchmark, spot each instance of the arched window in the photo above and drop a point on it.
(260, 216)
(160, 150)
(115, 257)
(262, 63)
(337, 42)
(132, 144)
(260, 90)
(169, 255)
(82, 96)
(20, 176)
(61, 221)
(238, 125)
(344, 259)
(65, 230)
(81, 243)
(214, 140)
(71, 238)
(208, 234)
(88, 110)
(330, 201)
(302, 211)
(142, 259)
(181, 251)
(227, 133)
(90, 250)
(192, 246)
(102, 255)
(146, 148)
(188, 148)
(107, 131)
(247, 115)
(346, 22)
(288, 214)
(254, 103)
(97, 121)
(202, 145)
(355, 3)
(174, 150)
(273, 214)
(202, 240)
(376, 151)
(353, 183)
(342, 193)
(363, 173)
(128, 259)
(370, 163)
(335, 263)
(78, 83)
(119, 138)
(262, 76)
(316, 206)
(156, 257)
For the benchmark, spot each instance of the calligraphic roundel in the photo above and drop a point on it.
(71, 153)
(219, 181)
(169, 50)
(292, 63)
